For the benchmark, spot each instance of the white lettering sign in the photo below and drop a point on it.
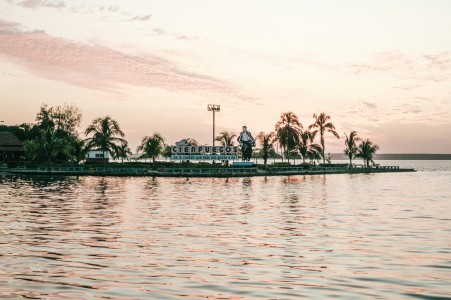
(204, 149)
(203, 157)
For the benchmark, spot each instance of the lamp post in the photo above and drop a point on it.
(214, 108)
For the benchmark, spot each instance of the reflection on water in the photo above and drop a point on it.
(354, 236)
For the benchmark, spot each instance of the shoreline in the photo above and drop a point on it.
(204, 172)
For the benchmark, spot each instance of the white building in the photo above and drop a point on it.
(97, 156)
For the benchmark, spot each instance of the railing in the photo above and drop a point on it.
(84, 169)
(222, 171)
(61, 168)
(387, 167)
(120, 170)
(287, 168)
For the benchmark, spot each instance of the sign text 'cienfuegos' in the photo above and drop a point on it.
(187, 152)
(204, 149)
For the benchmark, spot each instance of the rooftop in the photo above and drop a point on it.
(9, 142)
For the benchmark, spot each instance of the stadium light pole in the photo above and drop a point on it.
(214, 108)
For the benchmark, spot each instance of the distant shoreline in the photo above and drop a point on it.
(391, 156)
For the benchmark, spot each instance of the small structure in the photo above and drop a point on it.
(97, 156)
(11, 148)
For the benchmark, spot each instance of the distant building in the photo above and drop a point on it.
(11, 148)
(97, 156)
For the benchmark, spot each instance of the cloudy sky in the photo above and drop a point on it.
(382, 68)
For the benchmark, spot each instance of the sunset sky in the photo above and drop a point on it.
(382, 68)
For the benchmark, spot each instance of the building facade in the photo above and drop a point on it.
(97, 156)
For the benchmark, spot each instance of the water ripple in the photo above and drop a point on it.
(342, 236)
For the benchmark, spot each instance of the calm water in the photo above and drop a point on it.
(373, 236)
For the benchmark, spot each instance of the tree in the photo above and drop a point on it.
(366, 150)
(124, 152)
(79, 150)
(225, 138)
(65, 119)
(323, 125)
(106, 135)
(48, 146)
(266, 142)
(314, 155)
(151, 147)
(54, 137)
(307, 147)
(287, 130)
(23, 131)
(351, 146)
(167, 152)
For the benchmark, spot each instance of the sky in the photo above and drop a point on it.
(382, 68)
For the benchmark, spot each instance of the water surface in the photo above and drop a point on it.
(359, 236)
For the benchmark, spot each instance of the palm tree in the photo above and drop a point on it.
(314, 155)
(366, 150)
(167, 152)
(287, 131)
(79, 150)
(152, 147)
(107, 136)
(49, 146)
(323, 125)
(124, 152)
(351, 146)
(267, 144)
(225, 138)
(307, 147)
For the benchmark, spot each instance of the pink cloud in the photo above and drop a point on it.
(140, 18)
(100, 68)
(431, 67)
(39, 3)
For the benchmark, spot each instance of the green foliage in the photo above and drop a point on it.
(307, 147)
(287, 130)
(124, 152)
(351, 146)
(64, 119)
(266, 142)
(106, 136)
(366, 150)
(54, 137)
(323, 125)
(225, 138)
(151, 146)
(167, 152)
(23, 131)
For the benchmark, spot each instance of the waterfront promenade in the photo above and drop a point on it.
(193, 171)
